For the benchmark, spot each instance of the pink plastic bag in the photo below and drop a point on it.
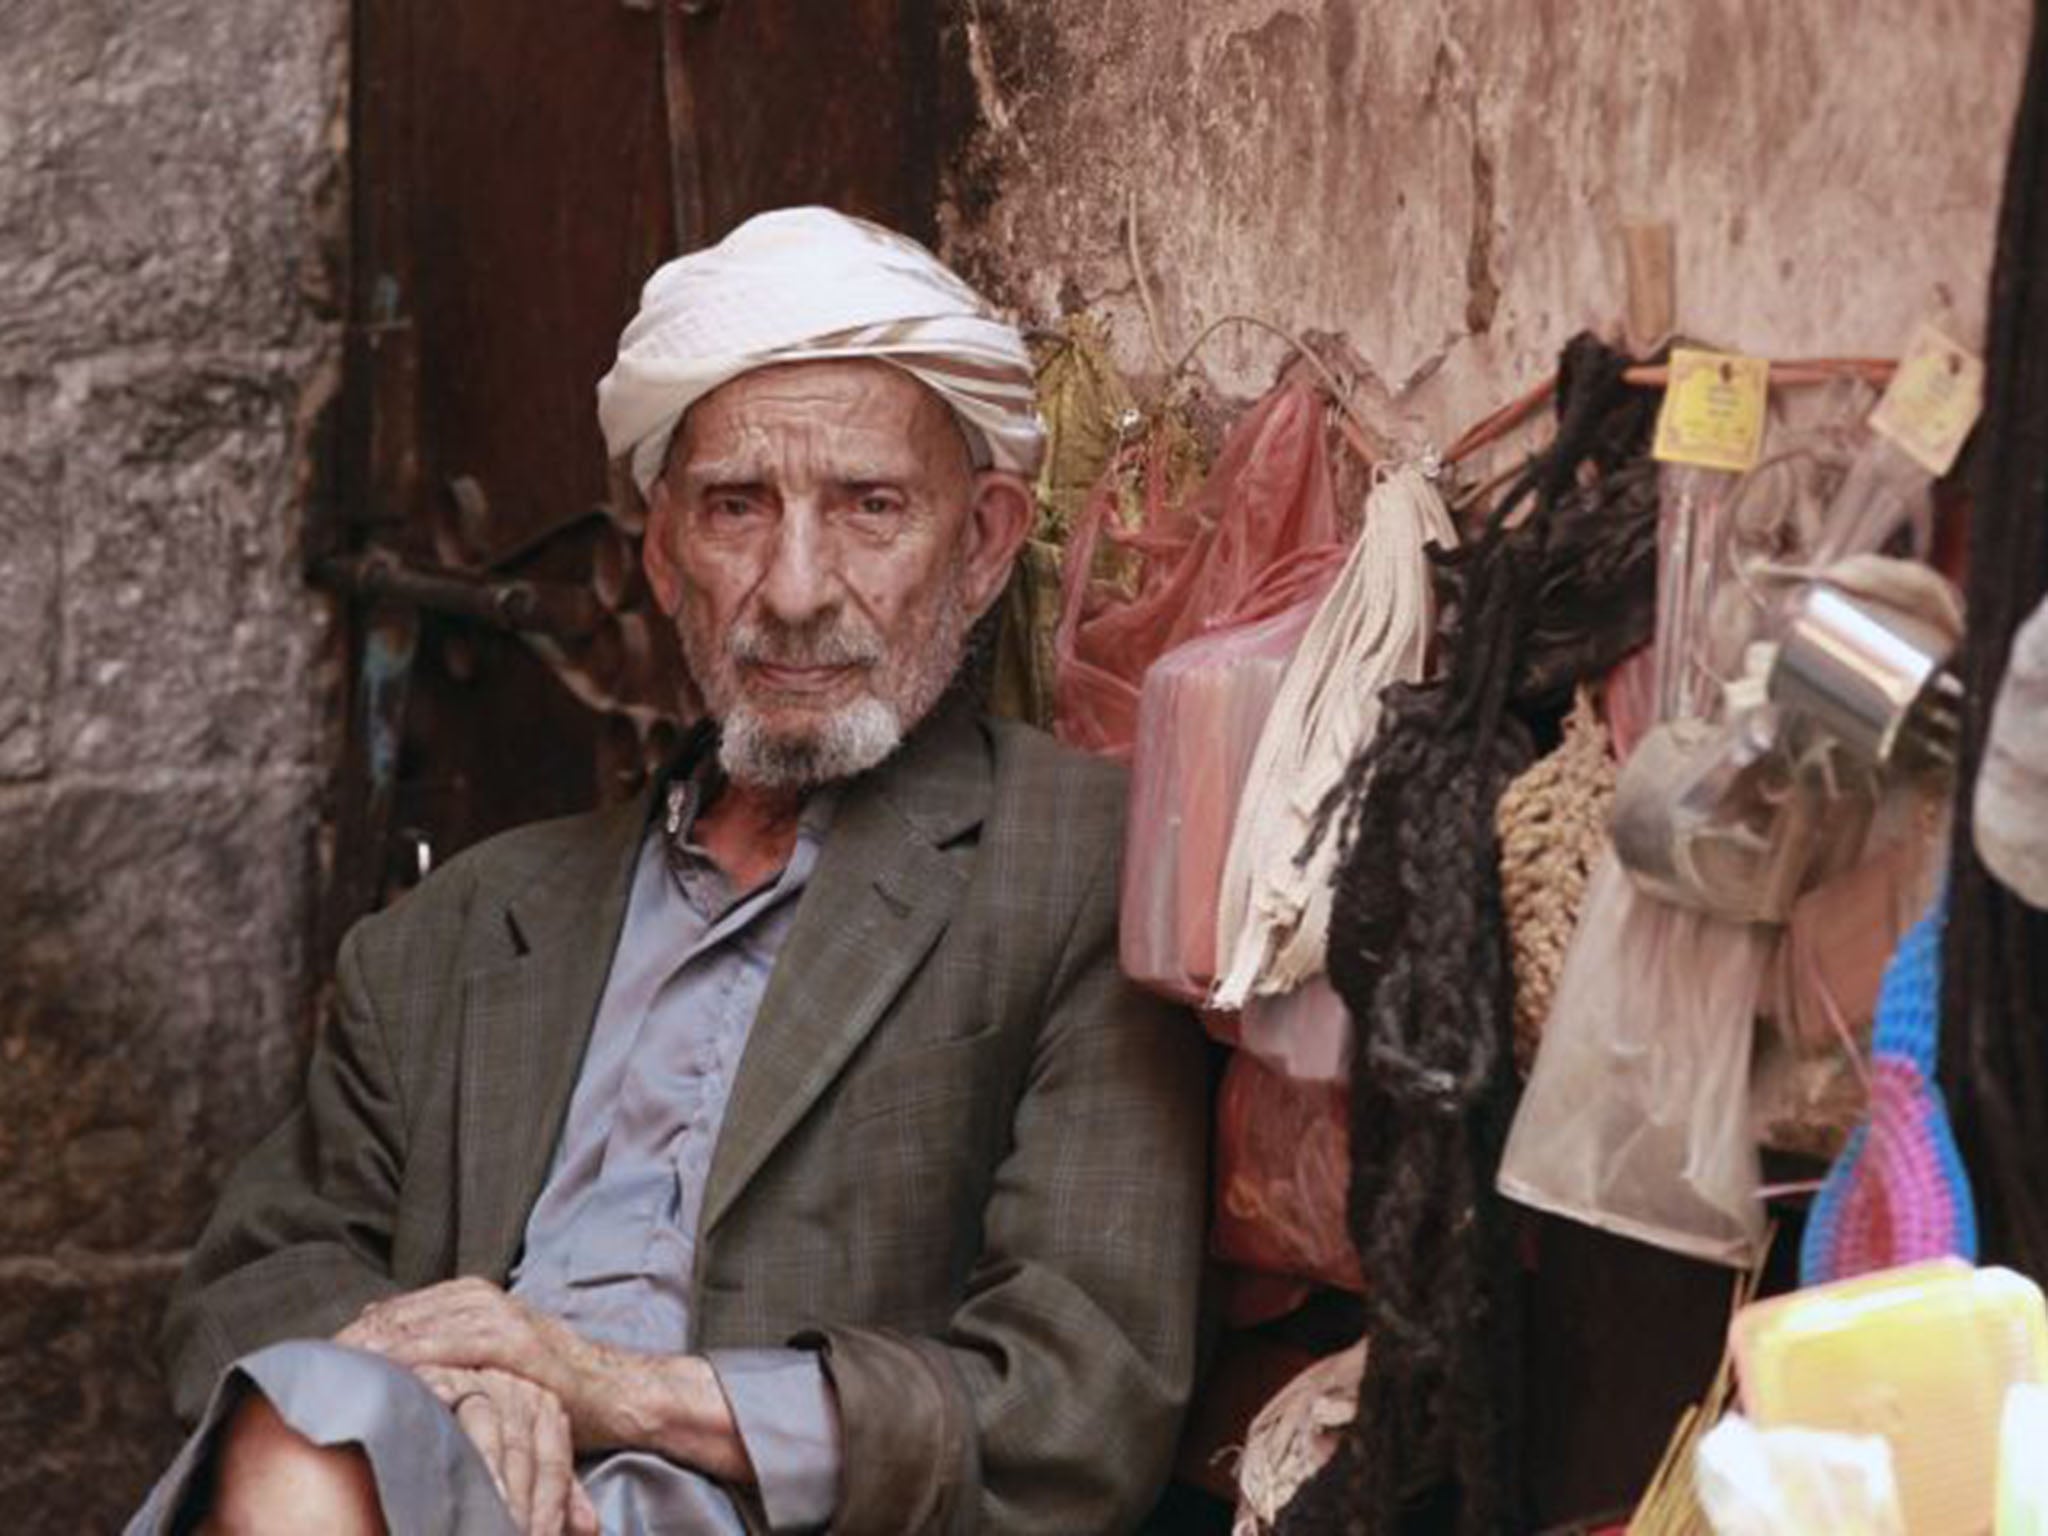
(1283, 1172)
(1200, 712)
(1268, 495)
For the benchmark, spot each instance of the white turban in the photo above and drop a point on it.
(804, 285)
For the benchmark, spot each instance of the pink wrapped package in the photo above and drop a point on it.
(1199, 716)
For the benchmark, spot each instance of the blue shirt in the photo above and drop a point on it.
(611, 1244)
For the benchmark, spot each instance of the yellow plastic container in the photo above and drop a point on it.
(1922, 1355)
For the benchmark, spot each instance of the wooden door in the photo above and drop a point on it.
(519, 167)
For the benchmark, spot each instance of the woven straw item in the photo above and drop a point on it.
(1552, 823)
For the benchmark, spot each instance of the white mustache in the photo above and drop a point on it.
(840, 645)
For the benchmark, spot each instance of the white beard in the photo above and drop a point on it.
(851, 739)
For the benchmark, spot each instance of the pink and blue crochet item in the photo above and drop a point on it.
(1898, 1193)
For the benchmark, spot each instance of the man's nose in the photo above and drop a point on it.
(802, 580)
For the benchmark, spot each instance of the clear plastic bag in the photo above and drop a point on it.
(1199, 717)
(1268, 496)
(1633, 1119)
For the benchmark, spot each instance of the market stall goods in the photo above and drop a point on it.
(1418, 950)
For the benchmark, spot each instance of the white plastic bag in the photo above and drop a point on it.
(1793, 1482)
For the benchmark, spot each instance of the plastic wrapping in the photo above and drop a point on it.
(1794, 1482)
(1305, 1033)
(1268, 496)
(2022, 1468)
(1283, 1170)
(1633, 1119)
(1199, 717)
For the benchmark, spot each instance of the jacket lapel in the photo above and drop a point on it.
(525, 1026)
(880, 897)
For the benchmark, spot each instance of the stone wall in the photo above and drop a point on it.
(1442, 183)
(170, 175)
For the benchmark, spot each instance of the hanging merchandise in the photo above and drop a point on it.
(1283, 1164)
(1865, 685)
(1782, 701)
(1995, 952)
(2011, 810)
(1088, 412)
(1863, 659)
(1552, 823)
(1305, 1033)
(1898, 1193)
(1809, 1088)
(1199, 715)
(1373, 629)
(1293, 1437)
(1419, 953)
(1182, 565)
(1738, 816)
(1635, 1117)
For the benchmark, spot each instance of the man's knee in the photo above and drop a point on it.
(268, 1477)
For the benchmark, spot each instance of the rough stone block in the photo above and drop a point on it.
(152, 1019)
(84, 1414)
(28, 616)
(160, 162)
(190, 635)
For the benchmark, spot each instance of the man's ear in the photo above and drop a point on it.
(658, 547)
(999, 520)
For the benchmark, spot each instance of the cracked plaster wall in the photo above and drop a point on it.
(1442, 183)
(166, 334)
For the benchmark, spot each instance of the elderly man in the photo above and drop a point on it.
(785, 1150)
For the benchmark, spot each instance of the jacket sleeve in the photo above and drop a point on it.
(1053, 1399)
(301, 1239)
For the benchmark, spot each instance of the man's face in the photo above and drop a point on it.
(823, 545)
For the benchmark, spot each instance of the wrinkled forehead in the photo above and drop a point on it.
(848, 412)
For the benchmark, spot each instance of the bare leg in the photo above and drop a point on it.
(270, 1478)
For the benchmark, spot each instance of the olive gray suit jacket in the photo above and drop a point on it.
(963, 1157)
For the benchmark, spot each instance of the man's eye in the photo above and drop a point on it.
(728, 506)
(878, 505)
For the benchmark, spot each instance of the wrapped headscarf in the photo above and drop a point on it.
(807, 285)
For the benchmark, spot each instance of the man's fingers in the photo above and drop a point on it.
(516, 1456)
(397, 1322)
(583, 1519)
(479, 1419)
(554, 1467)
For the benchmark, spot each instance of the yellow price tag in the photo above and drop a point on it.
(1932, 401)
(1713, 412)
